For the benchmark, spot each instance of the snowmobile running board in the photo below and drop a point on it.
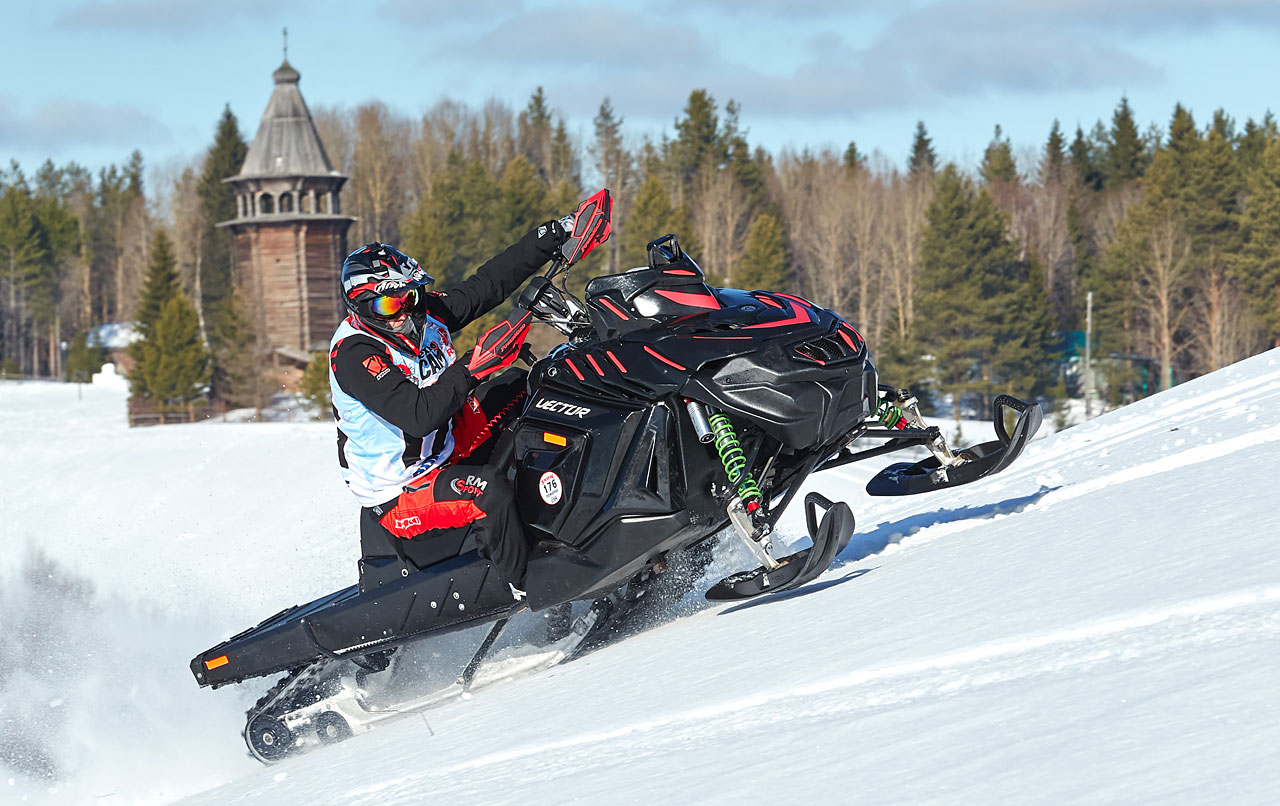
(830, 536)
(350, 624)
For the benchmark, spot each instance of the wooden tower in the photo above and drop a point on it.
(290, 236)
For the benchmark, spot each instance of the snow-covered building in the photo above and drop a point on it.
(290, 236)
(115, 338)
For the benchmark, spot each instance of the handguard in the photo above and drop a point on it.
(591, 227)
(500, 345)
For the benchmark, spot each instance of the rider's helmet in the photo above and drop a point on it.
(380, 285)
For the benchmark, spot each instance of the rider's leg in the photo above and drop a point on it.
(434, 512)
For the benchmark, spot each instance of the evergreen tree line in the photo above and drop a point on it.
(968, 278)
(959, 276)
(83, 250)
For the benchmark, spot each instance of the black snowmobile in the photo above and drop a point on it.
(672, 411)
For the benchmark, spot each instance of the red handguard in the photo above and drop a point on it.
(499, 347)
(591, 227)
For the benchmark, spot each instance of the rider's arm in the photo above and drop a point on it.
(497, 278)
(365, 370)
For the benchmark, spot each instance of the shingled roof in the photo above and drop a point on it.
(287, 143)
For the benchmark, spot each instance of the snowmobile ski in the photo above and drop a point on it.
(830, 536)
(979, 461)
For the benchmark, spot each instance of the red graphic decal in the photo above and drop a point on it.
(807, 352)
(683, 272)
(848, 340)
(661, 357)
(574, 367)
(803, 302)
(800, 316)
(376, 366)
(768, 301)
(614, 309)
(615, 361)
(694, 300)
(591, 360)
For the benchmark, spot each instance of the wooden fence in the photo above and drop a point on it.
(147, 412)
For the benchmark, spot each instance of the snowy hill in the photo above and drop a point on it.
(1098, 624)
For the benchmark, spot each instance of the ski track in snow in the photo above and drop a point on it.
(1148, 634)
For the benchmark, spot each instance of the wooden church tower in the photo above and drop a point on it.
(290, 236)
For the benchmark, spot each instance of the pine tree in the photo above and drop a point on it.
(698, 141)
(314, 387)
(1253, 142)
(180, 364)
(985, 317)
(564, 160)
(1256, 267)
(239, 370)
(651, 217)
(533, 138)
(521, 200)
(854, 159)
(1149, 272)
(1084, 164)
(218, 203)
(764, 258)
(455, 228)
(84, 359)
(1053, 162)
(1126, 157)
(24, 254)
(923, 160)
(161, 285)
(997, 162)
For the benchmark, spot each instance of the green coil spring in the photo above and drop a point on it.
(731, 456)
(890, 415)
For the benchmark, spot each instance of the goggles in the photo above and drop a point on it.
(389, 307)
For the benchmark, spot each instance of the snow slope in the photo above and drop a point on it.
(1098, 624)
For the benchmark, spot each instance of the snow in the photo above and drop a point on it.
(1099, 623)
(115, 335)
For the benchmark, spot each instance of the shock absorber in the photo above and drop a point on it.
(891, 415)
(734, 461)
(745, 507)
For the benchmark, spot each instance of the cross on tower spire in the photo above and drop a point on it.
(285, 31)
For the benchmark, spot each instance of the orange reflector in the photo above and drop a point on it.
(555, 439)
(216, 662)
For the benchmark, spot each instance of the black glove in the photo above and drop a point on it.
(554, 233)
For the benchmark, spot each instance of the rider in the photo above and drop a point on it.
(412, 438)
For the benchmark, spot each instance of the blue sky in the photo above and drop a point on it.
(89, 80)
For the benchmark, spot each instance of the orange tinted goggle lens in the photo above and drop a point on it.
(392, 306)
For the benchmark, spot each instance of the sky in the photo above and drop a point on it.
(90, 80)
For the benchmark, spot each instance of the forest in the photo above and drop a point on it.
(967, 280)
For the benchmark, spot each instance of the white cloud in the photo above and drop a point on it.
(67, 123)
(185, 17)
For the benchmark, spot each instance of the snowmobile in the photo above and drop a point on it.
(671, 412)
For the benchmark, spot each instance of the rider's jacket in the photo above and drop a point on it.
(393, 400)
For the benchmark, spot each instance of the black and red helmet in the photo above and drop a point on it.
(379, 283)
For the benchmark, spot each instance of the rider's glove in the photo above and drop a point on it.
(499, 347)
(555, 232)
